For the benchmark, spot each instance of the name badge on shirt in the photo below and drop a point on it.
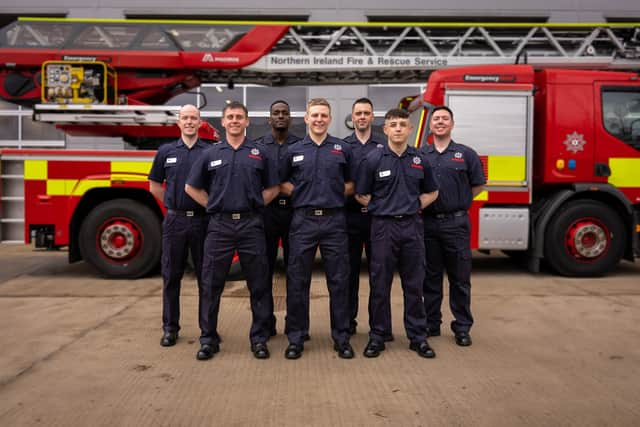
(215, 163)
(171, 160)
(383, 174)
(298, 158)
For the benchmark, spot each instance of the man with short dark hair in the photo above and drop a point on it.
(395, 183)
(447, 227)
(278, 214)
(317, 173)
(362, 141)
(234, 180)
(184, 225)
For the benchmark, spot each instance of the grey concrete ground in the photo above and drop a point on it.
(76, 350)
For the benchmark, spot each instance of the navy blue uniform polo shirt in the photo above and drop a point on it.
(172, 164)
(360, 151)
(277, 151)
(234, 179)
(457, 169)
(395, 182)
(318, 172)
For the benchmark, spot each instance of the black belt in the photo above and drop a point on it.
(236, 216)
(181, 212)
(361, 209)
(321, 211)
(404, 216)
(447, 214)
(281, 203)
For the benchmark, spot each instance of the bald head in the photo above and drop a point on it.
(189, 123)
(189, 109)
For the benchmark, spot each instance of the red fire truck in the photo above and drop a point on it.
(560, 147)
(109, 78)
(561, 151)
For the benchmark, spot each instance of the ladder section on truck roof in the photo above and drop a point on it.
(337, 53)
(106, 114)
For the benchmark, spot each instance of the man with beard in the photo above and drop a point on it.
(447, 226)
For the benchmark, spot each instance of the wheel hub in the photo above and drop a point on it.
(588, 239)
(118, 240)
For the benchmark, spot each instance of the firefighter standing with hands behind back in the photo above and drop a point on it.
(184, 226)
(447, 227)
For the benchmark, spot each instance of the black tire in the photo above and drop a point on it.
(121, 239)
(584, 238)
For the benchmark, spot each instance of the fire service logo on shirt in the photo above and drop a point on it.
(575, 142)
(457, 157)
(416, 163)
(255, 154)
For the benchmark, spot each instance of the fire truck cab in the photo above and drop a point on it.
(561, 153)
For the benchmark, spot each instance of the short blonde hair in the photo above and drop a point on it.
(318, 101)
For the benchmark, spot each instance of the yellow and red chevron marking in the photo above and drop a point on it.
(625, 175)
(74, 177)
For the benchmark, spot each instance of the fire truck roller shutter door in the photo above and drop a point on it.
(584, 238)
(121, 238)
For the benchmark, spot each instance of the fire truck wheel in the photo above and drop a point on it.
(584, 238)
(121, 239)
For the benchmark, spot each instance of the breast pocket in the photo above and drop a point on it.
(255, 170)
(217, 170)
(382, 183)
(457, 167)
(301, 168)
(334, 165)
(413, 178)
(332, 170)
(170, 167)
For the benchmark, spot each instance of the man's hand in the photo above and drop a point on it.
(349, 188)
(427, 198)
(197, 194)
(363, 199)
(268, 194)
(286, 188)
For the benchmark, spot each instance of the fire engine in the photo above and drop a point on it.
(562, 178)
(561, 153)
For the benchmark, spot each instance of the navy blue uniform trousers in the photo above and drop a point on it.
(330, 234)
(397, 243)
(180, 234)
(359, 229)
(224, 235)
(277, 219)
(448, 249)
